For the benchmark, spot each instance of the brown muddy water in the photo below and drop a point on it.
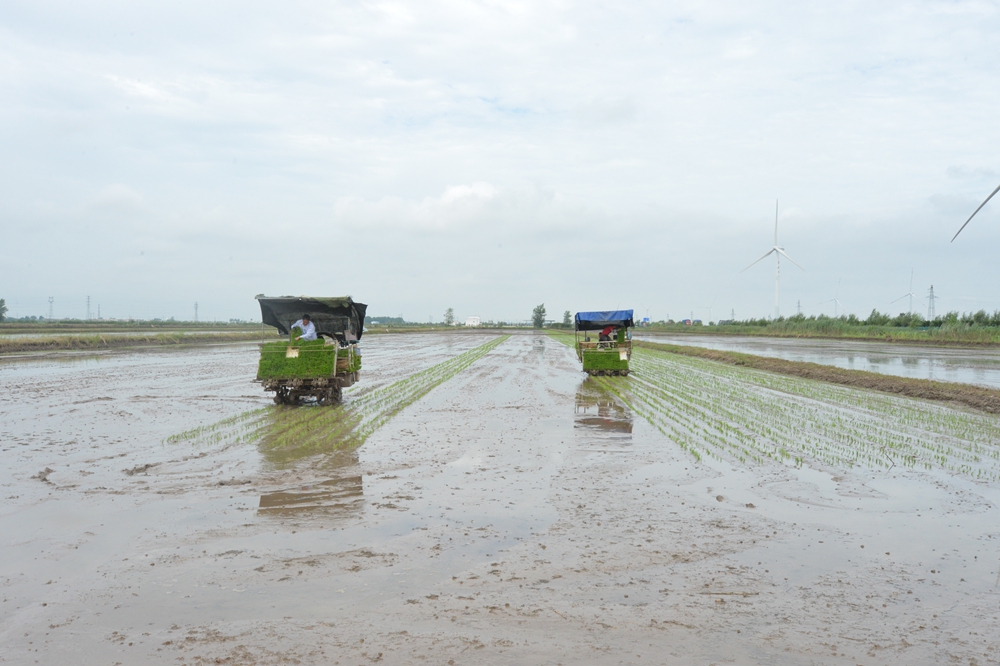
(518, 513)
(965, 365)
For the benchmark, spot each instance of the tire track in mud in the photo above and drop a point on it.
(288, 433)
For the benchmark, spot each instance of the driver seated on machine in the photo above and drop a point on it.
(606, 334)
(308, 328)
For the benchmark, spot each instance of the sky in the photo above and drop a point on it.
(492, 156)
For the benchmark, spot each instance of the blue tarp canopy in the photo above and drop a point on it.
(595, 321)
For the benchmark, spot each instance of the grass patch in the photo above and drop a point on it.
(116, 341)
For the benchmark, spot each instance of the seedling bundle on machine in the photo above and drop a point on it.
(319, 368)
(600, 353)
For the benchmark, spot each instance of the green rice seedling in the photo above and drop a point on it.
(753, 415)
(285, 434)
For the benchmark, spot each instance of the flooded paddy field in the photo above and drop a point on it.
(478, 500)
(966, 365)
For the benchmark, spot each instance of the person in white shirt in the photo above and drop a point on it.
(308, 328)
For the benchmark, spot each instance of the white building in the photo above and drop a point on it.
(472, 321)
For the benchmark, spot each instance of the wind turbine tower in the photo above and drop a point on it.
(51, 301)
(778, 253)
(909, 293)
(930, 304)
(836, 301)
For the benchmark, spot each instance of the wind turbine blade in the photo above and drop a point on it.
(775, 222)
(899, 299)
(761, 259)
(782, 252)
(976, 211)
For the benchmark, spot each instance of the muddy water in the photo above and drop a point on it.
(947, 364)
(515, 514)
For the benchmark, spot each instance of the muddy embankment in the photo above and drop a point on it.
(114, 341)
(975, 338)
(984, 399)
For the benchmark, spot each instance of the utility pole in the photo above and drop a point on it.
(798, 307)
(98, 311)
(51, 301)
(732, 314)
(196, 310)
(88, 308)
(930, 304)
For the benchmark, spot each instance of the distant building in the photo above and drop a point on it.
(686, 322)
(472, 321)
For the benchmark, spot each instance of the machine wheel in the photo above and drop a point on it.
(282, 396)
(331, 396)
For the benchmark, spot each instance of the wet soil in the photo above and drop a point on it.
(978, 397)
(517, 513)
(977, 364)
(24, 343)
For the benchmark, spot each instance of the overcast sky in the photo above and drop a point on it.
(490, 156)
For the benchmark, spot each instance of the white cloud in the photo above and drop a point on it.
(496, 149)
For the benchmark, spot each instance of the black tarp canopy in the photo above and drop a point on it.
(332, 315)
(595, 321)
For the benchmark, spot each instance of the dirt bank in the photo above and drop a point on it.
(987, 400)
(116, 341)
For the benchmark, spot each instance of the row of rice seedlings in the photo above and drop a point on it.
(770, 436)
(292, 432)
(715, 409)
(899, 423)
(836, 444)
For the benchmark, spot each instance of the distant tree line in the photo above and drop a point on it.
(876, 318)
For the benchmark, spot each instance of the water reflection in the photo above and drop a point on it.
(599, 413)
(953, 364)
(341, 494)
(288, 434)
(334, 496)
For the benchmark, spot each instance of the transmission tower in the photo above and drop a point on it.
(88, 307)
(196, 310)
(798, 307)
(51, 301)
(930, 304)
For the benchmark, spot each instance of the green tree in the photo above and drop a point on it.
(449, 316)
(567, 318)
(538, 316)
(3, 309)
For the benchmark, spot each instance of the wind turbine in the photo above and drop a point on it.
(836, 301)
(909, 293)
(778, 252)
(974, 213)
